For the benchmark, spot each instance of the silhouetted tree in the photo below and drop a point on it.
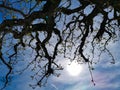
(43, 30)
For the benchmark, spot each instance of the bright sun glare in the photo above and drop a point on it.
(74, 69)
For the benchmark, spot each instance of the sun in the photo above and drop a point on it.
(74, 69)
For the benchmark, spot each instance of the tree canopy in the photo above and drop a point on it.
(44, 30)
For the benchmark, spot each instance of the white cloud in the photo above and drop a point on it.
(104, 79)
(83, 81)
(66, 78)
(54, 86)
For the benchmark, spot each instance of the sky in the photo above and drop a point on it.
(106, 75)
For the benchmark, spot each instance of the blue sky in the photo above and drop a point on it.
(106, 75)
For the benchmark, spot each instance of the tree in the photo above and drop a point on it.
(52, 28)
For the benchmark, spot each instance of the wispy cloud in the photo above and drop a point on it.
(54, 86)
(66, 78)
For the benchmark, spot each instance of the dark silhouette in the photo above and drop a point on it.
(69, 31)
